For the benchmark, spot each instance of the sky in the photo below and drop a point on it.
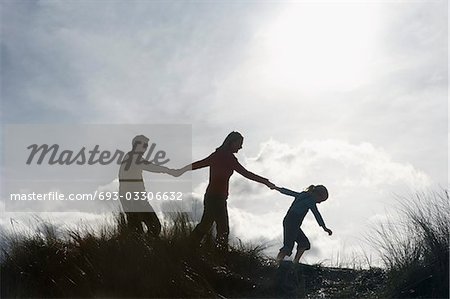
(352, 95)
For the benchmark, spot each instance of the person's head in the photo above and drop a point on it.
(319, 192)
(140, 144)
(233, 142)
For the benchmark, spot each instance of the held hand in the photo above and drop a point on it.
(172, 172)
(181, 171)
(186, 168)
(175, 172)
(271, 185)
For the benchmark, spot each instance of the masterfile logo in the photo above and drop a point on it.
(52, 155)
(80, 162)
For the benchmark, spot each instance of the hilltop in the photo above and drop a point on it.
(118, 263)
(115, 262)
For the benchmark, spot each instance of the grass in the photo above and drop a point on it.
(118, 263)
(415, 250)
(114, 262)
(111, 262)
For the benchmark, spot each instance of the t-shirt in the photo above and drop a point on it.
(221, 168)
(302, 203)
(222, 164)
(131, 183)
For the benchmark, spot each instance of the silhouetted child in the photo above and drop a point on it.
(304, 201)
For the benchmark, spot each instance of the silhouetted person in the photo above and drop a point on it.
(131, 186)
(222, 163)
(292, 232)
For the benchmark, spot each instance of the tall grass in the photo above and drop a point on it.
(415, 249)
(115, 262)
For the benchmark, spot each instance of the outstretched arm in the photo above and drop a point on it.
(201, 163)
(251, 176)
(148, 166)
(196, 165)
(319, 219)
(288, 192)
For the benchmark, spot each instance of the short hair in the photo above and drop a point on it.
(139, 139)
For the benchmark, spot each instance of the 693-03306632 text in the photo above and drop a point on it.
(97, 195)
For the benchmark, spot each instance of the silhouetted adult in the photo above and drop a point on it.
(222, 163)
(132, 190)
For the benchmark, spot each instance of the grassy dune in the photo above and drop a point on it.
(114, 262)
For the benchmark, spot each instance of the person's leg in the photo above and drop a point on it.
(149, 217)
(302, 245)
(290, 227)
(222, 222)
(281, 255)
(205, 224)
(298, 254)
(134, 222)
(152, 222)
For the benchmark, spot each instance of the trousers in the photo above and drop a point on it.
(150, 219)
(293, 233)
(214, 210)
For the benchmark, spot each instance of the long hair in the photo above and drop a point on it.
(232, 137)
(319, 189)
